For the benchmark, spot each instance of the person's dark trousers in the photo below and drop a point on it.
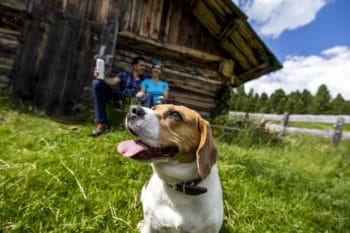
(101, 94)
(146, 100)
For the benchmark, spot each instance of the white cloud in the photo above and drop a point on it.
(272, 17)
(331, 67)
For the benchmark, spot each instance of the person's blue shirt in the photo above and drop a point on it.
(155, 89)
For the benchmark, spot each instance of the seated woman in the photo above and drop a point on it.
(153, 90)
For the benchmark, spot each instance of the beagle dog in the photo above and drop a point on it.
(184, 193)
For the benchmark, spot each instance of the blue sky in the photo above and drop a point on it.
(311, 38)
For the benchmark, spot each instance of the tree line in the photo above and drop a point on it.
(295, 102)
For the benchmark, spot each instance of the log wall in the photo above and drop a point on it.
(11, 21)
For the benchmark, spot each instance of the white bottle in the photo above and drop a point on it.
(100, 64)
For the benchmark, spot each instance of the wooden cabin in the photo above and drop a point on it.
(48, 48)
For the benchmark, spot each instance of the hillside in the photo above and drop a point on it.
(55, 178)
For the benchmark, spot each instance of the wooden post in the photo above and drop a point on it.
(284, 121)
(338, 131)
(246, 116)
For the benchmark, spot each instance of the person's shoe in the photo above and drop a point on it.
(99, 129)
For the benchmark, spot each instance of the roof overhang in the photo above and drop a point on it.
(229, 25)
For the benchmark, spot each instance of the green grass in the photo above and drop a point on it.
(55, 178)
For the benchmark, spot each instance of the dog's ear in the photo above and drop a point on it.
(206, 151)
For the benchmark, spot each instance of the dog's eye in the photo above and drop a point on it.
(173, 115)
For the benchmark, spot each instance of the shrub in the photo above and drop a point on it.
(243, 132)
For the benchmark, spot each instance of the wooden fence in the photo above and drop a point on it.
(336, 133)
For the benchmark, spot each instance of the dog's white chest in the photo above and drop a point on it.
(171, 211)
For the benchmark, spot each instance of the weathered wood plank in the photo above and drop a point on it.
(6, 62)
(236, 54)
(11, 20)
(254, 72)
(156, 17)
(202, 12)
(174, 22)
(125, 15)
(197, 105)
(102, 12)
(24, 71)
(8, 45)
(9, 33)
(114, 9)
(146, 19)
(242, 45)
(175, 92)
(219, 9)
(191, 56)
(135, 19)
(19, 5)
(185, 29)
(189, 88)
(165, 26)
(246, 32)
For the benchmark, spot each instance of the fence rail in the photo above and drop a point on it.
(296, 118)
(335, 134)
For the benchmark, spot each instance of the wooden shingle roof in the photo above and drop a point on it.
(229, 25)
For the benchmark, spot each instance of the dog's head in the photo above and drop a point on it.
(169, 133)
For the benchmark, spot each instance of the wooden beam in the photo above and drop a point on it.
(254, 72)
(228, 30)
(227, 72)
(184, 54)
(15, 4)
(207, 18)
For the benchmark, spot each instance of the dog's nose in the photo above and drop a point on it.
(135, 110)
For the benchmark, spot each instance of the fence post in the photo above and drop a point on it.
(284, 121)
(338, 130)
(246, 116)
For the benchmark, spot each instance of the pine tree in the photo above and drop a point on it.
(290, 105)
(275, 98)
(238, 98)
(280, 109)
(320, 103)
(339, 105)
(249, 103)
(299, 107)
(261, 103)
(307, 98)
(294, 103)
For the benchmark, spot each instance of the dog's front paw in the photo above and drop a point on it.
(140, 225)
(143, 227)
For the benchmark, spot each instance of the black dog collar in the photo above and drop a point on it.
(189, 188)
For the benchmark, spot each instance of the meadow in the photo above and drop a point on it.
(54, 177)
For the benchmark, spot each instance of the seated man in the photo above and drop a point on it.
(104, 90)
(153, 90)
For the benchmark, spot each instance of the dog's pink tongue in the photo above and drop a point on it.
(130, 148)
